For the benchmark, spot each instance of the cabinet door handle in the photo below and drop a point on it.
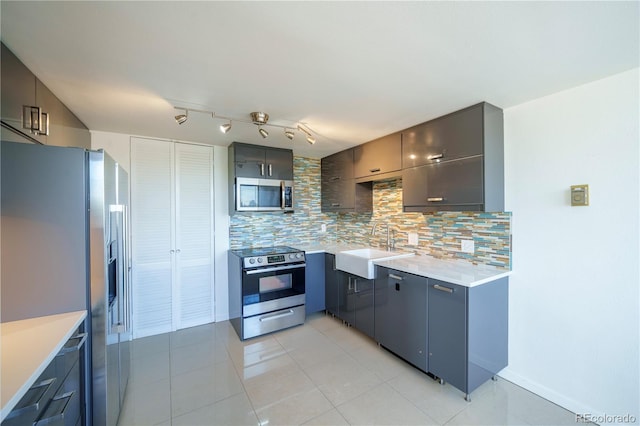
(61, 402)
(355, 286)
(374, 170)
(335, 204)
(38, 391)
(349, 287)
(261, 169)
(435, 157)
(270, 170)
(80, 338)
(335, 178)
(443, 288)
(396, 277)
(435, 199)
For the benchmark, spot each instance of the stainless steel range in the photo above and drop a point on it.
(266, 289)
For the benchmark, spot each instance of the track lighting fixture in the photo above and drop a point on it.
(181, 118)
(289, 134)
(224, 128)
(307, 132)
(260, 119)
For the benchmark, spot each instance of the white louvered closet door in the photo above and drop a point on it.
(172, 238)
(193, 302)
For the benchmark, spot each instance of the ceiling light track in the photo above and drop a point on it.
(257, 118)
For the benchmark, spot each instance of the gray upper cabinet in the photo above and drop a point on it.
(255, 161)
(453, 136)
(378, 157)
(20, 87)
(340, 192)
(455, 163)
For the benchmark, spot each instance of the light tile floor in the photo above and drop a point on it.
(320, 373)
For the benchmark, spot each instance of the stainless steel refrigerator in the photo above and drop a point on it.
(64, 247)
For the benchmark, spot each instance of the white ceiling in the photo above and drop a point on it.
(353, 71)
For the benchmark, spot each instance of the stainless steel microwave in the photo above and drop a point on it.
(255, 195)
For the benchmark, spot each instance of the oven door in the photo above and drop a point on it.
(270, 288)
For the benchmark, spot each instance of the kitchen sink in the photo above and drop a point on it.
(360, 261)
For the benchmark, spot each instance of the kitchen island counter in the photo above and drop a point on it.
(28, 346)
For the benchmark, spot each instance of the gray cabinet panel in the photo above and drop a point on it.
(347, 310)
(379, 156)
(340, 192)
(453, 136)
(256, 161)
(65, 129)
(18, 90)
(447, 185)
(457, 158)
(401, 315)
(332, 287)
(447, 313)
(365, 318)
(468, 332)
(315, 283)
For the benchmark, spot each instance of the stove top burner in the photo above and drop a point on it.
(254, 257)
(264, 251)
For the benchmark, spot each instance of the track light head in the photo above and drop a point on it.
(263, 132)
(289, 134)
(224, 128)
(181, 118)
(311, 140)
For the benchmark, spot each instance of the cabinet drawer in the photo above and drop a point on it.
(69, 354)
(33, 403)
(64, 408)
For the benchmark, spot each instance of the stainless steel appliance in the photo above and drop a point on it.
(266, 289)
(263, 195)
(64, 234)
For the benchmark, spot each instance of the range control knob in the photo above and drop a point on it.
(252, 261)
(259, 260)
(292, 256)
(298, 256)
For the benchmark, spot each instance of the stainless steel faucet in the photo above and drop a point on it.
(390, 243)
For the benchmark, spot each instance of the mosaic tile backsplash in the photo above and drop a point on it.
(439, 234)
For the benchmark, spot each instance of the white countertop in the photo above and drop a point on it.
(459, 272)
(27, 348)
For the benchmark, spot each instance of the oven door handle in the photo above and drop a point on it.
(275, 268)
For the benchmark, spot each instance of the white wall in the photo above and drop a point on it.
(574, 299)
(118, 146)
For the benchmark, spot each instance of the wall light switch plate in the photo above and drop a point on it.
(323, 228)
(412, 238)
(579, 195)
(468, 246)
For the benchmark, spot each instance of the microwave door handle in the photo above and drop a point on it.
(282, 197)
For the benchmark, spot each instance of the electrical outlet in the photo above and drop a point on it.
(323, 228)
(412, 238)
(467, 246)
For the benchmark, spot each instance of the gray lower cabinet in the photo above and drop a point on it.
(315, 283)
(331, 285)
(467, 332)
(356, 302)
(58, 396)
(401, 315)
